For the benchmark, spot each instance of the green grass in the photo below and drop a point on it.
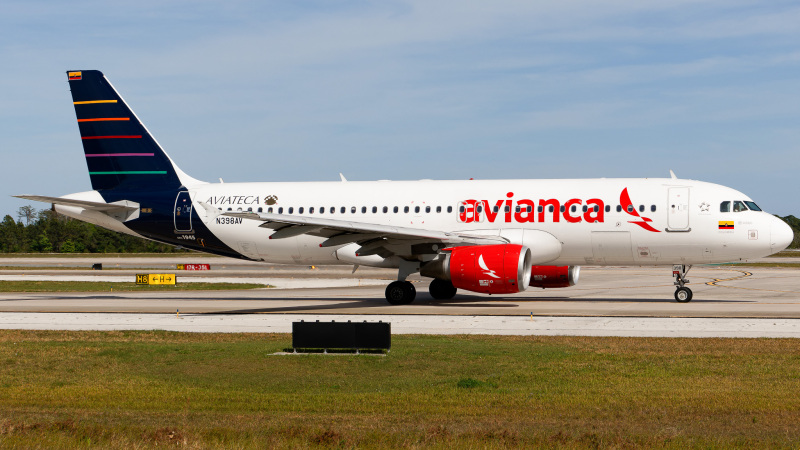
(106, 286)
(152, 389)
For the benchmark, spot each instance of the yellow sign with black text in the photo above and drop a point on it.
(156, 278)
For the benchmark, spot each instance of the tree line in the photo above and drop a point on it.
(44, 231)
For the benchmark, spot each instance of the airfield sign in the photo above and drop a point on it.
(156, 278)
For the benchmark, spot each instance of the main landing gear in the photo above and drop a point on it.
(442, 290)
(400, 292)
(682, 293)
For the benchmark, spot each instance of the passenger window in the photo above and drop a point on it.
(322, 210)
(540, 208)
(260, 209)
(300, 210)
(480, 209)
(416, 209)
(641, 208)
(573, 208)
(427, 209)
(363, 210)
(374, 209)
(461, 209)
(739, 206)
(529, 208)
(652, 208)
(311, 210)
(508, 208)
(291, 210)
(449, 209)
(250, 209)
(608, 208)
(752, 206)
(396, 209)
(585, 208)
(495, 209)
(562, 208)
(385, 209)
(551, 208)
(269, 210)
(405, 209)
(619, 208)
(343, 210)
(517, 209)
(630, 208)
(438, 209)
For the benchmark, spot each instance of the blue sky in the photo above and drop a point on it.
(297, 91)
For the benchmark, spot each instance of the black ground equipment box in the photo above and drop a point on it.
(341, 335)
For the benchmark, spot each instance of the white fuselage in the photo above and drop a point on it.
(675, 221)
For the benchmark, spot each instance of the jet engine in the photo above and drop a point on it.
(490, 269)
(554, 276)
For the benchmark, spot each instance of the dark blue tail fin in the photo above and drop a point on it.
(120, 152)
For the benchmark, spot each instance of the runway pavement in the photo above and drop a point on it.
(720, 292)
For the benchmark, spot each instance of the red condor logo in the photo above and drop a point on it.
(627, 206)
(545, 210)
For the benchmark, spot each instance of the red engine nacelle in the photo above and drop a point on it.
(490, 269)
(554, 276)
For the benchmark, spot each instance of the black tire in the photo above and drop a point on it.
(442, 290)
(400, 293)
(683, 295)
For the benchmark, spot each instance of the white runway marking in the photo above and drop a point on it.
(416, 324)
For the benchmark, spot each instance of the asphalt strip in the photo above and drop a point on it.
(416, 324)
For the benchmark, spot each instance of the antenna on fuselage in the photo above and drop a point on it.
(672, 174)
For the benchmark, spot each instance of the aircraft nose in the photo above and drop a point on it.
(781, 235)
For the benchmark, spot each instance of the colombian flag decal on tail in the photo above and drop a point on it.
(74, 76)
(725, 224)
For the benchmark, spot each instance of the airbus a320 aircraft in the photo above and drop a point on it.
(488, 236)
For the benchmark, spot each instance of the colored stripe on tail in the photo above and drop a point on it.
(120, 152)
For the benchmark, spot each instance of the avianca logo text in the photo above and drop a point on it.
(526, 211)
(522, 211)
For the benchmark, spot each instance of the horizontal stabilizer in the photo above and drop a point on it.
(120, 206)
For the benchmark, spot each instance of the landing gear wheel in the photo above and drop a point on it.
(442, 290)
(683, 295)
(400, 293)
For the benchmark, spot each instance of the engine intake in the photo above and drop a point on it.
(490, 269)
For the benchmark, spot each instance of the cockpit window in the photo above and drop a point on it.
(752, 206)
(739, 206)
(725, 207)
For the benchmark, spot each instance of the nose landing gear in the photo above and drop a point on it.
(682, 293)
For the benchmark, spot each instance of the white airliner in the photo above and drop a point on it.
(489, 236)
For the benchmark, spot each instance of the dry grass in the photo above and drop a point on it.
(163, 389)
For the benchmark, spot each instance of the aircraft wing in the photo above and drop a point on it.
(378, 239)
(122, 206)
